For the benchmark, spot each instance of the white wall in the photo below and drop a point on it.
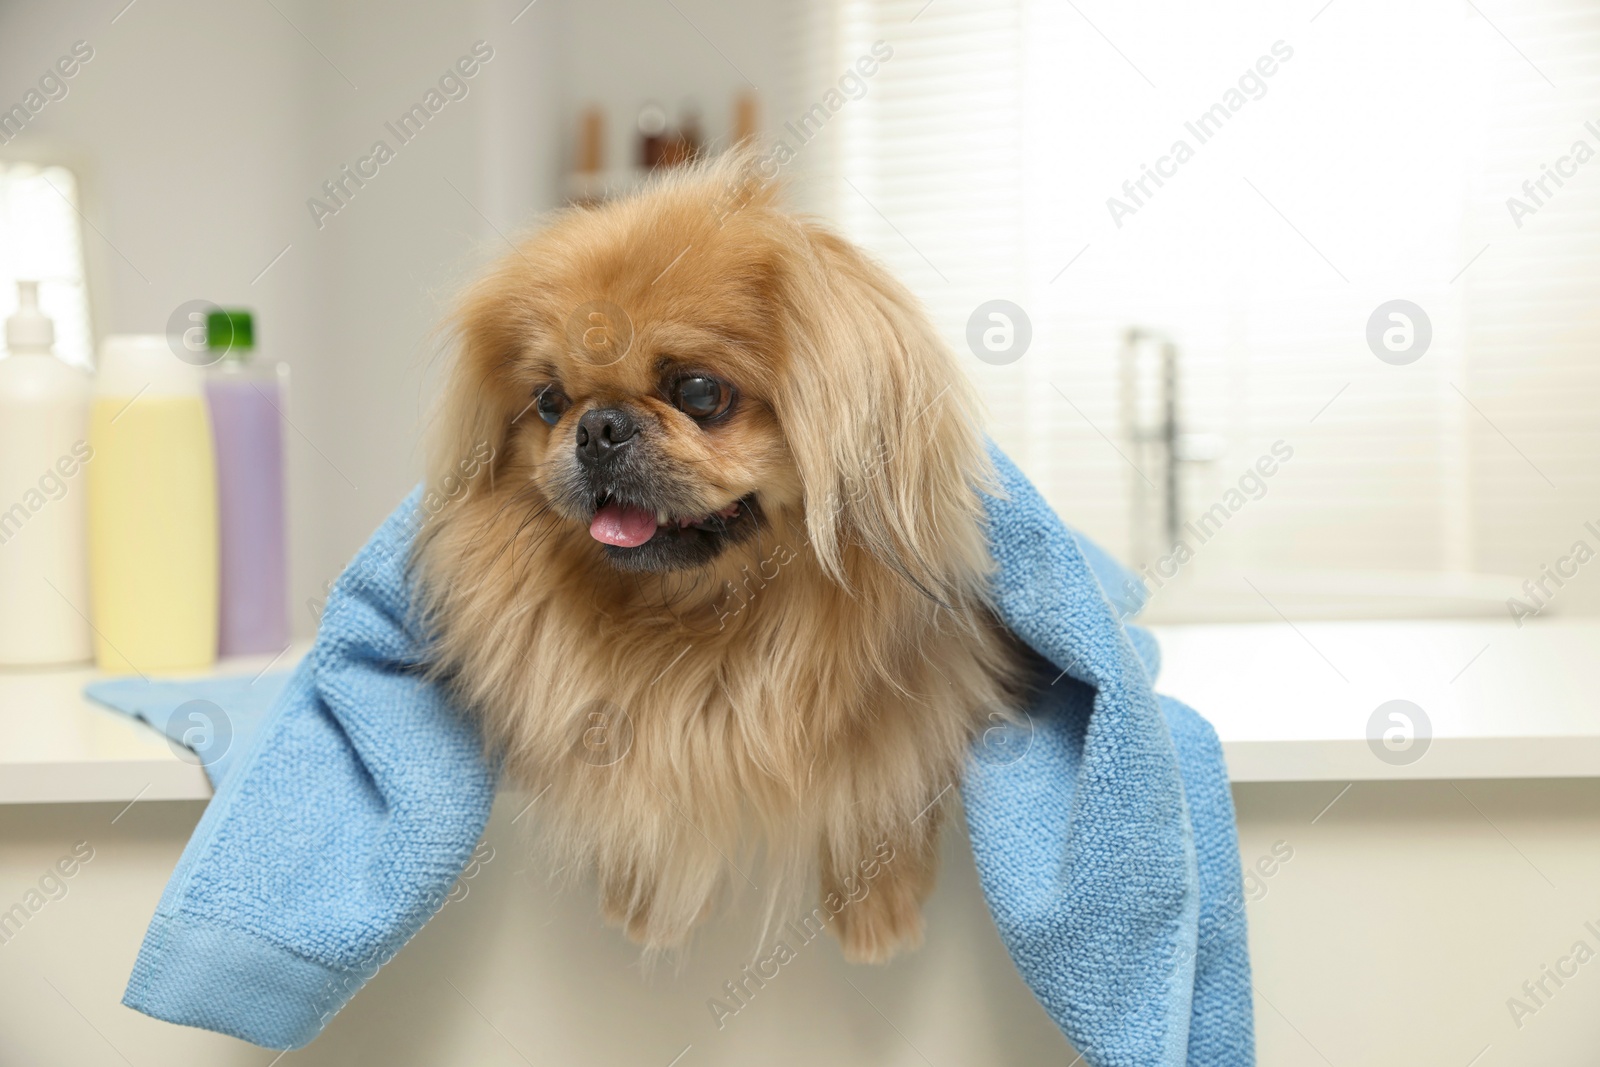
(1411, 913)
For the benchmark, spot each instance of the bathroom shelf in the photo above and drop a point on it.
(1291, 704)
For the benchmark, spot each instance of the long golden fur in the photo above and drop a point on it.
(793, 709)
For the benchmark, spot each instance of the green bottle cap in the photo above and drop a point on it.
(232, 331)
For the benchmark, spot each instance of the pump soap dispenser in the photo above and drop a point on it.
(44, 429)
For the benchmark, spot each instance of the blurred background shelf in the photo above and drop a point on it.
(58, 746)
(1292, 702)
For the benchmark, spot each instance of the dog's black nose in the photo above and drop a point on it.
(601, 432)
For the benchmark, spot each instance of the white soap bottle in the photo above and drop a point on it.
(44, 432)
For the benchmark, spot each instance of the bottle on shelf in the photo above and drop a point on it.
(586, 185)
(44, 430)
(653, 135)
(152, 511)
(247, 398)
(746, 117)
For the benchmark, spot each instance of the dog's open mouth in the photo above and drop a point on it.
(653, 539)
(629, 526)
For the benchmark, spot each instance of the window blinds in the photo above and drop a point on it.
(1339, 156)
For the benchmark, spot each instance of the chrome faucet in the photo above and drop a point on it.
(1159, 445)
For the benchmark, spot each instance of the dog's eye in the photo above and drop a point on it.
(702, 398)
(551, 403)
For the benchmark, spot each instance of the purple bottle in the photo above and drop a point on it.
(246, 401)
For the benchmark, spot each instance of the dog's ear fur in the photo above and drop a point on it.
(881, 422)
(488, 329)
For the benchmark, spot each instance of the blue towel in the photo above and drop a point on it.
(209, 721)
(1102, 824)
(1104, 834)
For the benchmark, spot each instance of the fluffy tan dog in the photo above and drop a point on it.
(722, 593)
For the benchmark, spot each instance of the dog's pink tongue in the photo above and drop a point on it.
(624, 526)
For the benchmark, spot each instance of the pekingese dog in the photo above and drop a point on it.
(720, 597)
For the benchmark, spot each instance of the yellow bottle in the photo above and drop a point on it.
(152, 511)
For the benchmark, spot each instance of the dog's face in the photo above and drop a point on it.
(650, 418)
(642, 357)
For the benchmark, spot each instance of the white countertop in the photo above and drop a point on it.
(1291, 703)
(58, 746)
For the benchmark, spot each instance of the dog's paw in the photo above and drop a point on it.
(644, 924)
(623, 903)
(877, 927)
